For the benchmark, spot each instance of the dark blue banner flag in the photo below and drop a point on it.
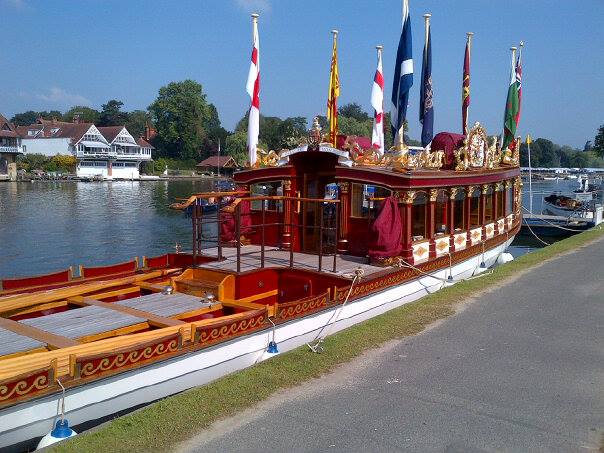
(426, 108)
(403, 76)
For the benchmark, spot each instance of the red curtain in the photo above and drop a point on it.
(228, 225)
(386, 231)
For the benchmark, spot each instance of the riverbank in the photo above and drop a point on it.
(164, 425)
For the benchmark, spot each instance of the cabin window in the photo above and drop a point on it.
(441, 213)
(509, 200)
(475, 220)
(419, 217)
(362, 203)
(267, 189)
(488, 206)
(459, 212)
(499, 204)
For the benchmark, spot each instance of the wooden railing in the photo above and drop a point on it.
(289, 207)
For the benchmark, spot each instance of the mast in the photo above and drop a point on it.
(219, 158)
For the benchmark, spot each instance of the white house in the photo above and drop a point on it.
(128, 153)
(104, 152)
(10, 148)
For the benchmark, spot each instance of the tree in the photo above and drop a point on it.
(236, 147)
(137, 121)
(30, 117)
(598, 147)
(25, 118)
(112, 115)
(85, 114)
(353, 110)
(183, 118)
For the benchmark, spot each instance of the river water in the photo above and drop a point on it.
(48, 226)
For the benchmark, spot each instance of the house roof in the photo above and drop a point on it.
(144, 143)
(110, 132)
(75, 131)
(6, 128)
(215, 161)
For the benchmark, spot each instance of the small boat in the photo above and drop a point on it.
(565, 206)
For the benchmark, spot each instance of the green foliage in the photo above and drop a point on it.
(112, 115)
(159, 165)
(61, 163)
(355, 111)
(275, 133)
(545, 153)
(599, 142)
(183, 119)
(30, 117)
(236, 147)
(137, 121)
(86, 114)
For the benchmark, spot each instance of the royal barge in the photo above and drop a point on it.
(312, 240)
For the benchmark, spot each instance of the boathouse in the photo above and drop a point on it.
(104, 152)
(10, 148)
(225, 165)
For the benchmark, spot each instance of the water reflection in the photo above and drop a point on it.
(47, 226)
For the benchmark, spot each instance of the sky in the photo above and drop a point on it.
(58, 53)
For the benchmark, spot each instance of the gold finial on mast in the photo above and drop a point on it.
(513, 49)
(427, 17)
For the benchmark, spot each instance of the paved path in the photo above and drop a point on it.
(521, 369)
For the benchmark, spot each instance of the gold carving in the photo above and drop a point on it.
(287, 184)
(433, 194)
(498, 187)
(470, 190)
(511, 155)
(22, 388)
(485, 189)
(266, 159)
(344, 187)
(129, 358)
(409, 197)
(475, 150)
(453, 192)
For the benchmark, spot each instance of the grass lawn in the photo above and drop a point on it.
(163, 425)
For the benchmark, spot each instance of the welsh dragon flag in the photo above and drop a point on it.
(511, 110)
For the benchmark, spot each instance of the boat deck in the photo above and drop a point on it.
(91, 320)
(274, 257)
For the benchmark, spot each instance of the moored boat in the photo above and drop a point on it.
(312, 240)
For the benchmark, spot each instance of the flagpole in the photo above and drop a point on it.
(528, 146)
(379, 49)
(469, 35)
(513, 49)
(427, 17)
(219, 158)
(333, 128)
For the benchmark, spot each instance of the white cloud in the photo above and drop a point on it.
(60, 96)
(255, 6)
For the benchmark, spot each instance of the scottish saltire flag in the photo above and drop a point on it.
(253, 90)
(426, 108)
(511, 109)
(403, 76)
(377, 102)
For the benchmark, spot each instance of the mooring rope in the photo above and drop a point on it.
(317, 347)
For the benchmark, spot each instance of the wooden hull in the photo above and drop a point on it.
(125, 390)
